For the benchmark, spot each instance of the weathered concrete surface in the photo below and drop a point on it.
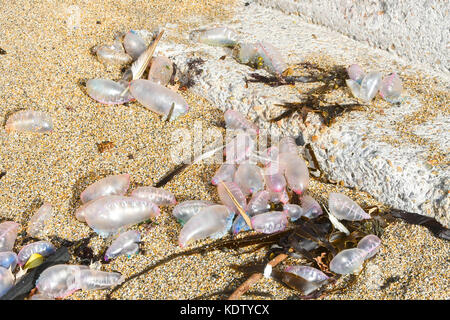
(397, 153)
(416, 30)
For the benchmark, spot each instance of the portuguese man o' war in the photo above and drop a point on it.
(161, 70)
(158, 196)
(158, 99)
(112, 55)
(147, 36)
(225, 173)
(8, 235)
(219, 36)
(368, 88)
(249, 178)
(391, 88)
(29, 120)
(308, 273)
(98, 280)
(260, 55)
(370, 85)
(59, 281)
(110, 185)
(365, 87)
(239, 225)
(236, 120)
(348, 261)
(270, 222)
(344, 208)
(8, 259)
(310, 278)
(62, 280)
(44, 248)
(134, 45)
(293, 211)
(370, 244)
(355, 73)
(295, 171)
(259, 203)
(38, 221)
(187, 209)
(126, 243)
(274, 179)
(6, 281)
(310, 206)
(108, 214)
(80, 213)
(272, 60)
(212, 221)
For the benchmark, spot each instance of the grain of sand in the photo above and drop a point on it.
(47, 53)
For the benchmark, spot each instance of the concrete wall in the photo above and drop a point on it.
(417, 31)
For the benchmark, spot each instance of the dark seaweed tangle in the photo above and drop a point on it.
(314, 240)
(315, 99)
(308, 238)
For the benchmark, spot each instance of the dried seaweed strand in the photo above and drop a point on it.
(430, 223)
(255, 239)
(255, 278)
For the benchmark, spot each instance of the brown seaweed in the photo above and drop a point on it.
(328, 112)
(315, 98)
(79, 248)
(187, 79)
(274, 81)
(174, 73)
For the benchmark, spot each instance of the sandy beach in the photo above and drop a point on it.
(47, 58)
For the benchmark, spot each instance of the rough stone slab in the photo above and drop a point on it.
(415, 30)
(359, 149)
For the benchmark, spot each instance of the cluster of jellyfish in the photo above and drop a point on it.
(366, 86)
(135, 48)
(248, 182)
(108, 212)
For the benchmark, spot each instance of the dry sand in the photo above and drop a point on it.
(45, 59)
